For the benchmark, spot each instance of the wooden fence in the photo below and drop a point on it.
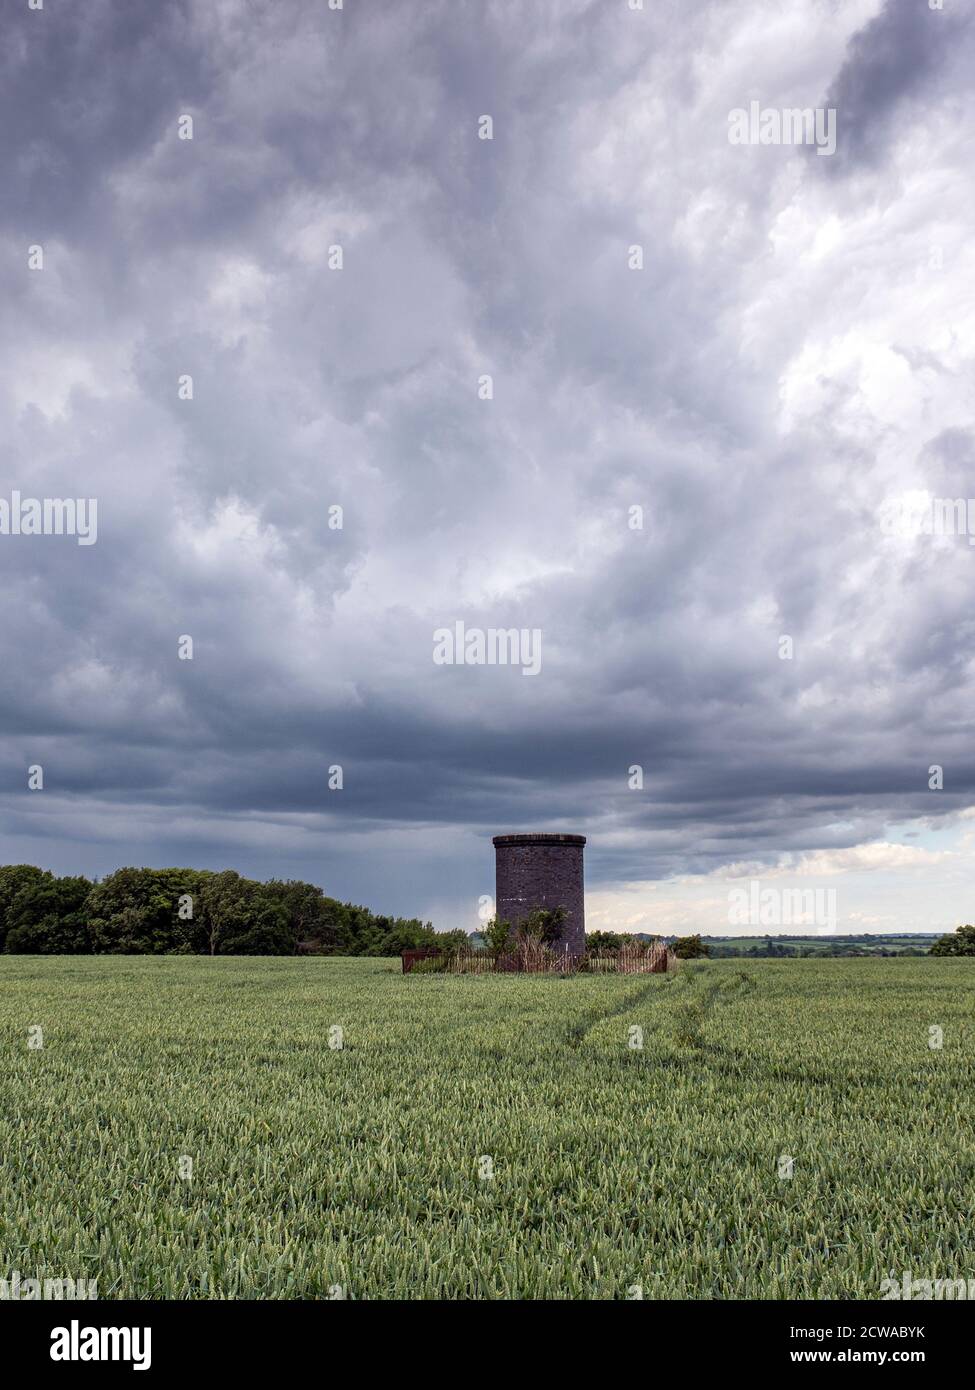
(635, 959)
(410, 958)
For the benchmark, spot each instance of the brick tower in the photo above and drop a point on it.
(542, 871)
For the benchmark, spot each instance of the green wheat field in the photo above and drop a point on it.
(485, 1136)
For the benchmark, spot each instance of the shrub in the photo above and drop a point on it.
(496, 935)
(601, 943)
(544, 924)
(452, 943)
(689, 948)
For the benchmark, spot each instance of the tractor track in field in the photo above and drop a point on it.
(577, 1031)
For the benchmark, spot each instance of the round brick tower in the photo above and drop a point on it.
(542, 871)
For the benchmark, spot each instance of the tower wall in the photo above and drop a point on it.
(538, 870)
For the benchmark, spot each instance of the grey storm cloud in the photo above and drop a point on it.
(894, 64)
(742, 388)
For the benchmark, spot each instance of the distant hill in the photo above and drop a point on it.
(835, 944)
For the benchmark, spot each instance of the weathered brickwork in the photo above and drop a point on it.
(542, 871)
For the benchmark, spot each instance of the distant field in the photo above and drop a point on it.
(614, 1167)
(828, 944)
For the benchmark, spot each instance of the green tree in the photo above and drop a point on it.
(14, 877)
(960, 942)
(152, 911)
(691, 947)
(450, 942)
(311, 915)
(403, 936)
(47, 917)
(228, 910)
(264, 930)
(605, 942)
(145, 911)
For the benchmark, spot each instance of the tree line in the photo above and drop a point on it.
(190, 912)
(961, 942)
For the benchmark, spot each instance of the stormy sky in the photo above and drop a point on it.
(794, 355)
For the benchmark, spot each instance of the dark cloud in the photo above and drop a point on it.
(743, 389)
(898, 72)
